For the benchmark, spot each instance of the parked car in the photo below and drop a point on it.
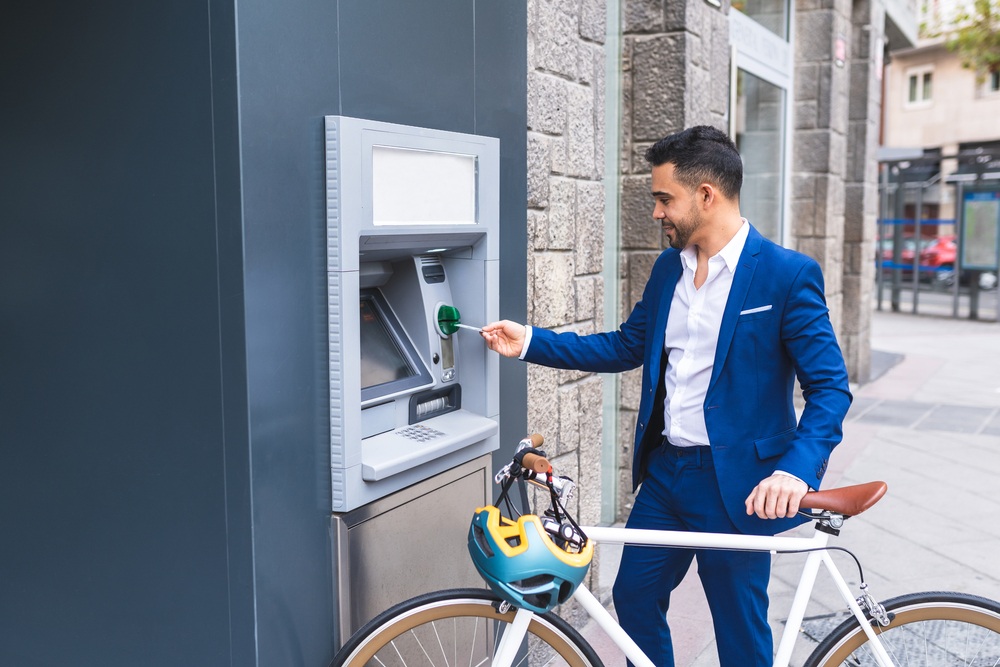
(938, 256)
(909, 248)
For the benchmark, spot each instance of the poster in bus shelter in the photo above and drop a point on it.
(981, 230)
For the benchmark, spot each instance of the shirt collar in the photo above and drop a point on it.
(730, 254)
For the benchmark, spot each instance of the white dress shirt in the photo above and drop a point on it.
(691, 338)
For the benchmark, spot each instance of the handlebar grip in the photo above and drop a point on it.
(537, 440)
(538, 464)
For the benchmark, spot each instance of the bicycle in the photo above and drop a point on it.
(478, 627)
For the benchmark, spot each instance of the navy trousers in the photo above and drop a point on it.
(680, 492)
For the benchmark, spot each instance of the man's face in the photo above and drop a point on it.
(675, 207)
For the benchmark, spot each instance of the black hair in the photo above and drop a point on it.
(701, 154)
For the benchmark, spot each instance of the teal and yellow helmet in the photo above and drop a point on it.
(521, 562)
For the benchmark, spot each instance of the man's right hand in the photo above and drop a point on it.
(505, 337)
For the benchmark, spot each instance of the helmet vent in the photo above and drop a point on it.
(482, 541)
(540, 600)
(533, 582)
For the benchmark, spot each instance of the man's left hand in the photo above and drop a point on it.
(776, 497)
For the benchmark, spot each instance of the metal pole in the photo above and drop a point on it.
(884, 213)
(917, 217)
(897, 244)
(959, 214)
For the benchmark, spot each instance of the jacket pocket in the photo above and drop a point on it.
(774, 445)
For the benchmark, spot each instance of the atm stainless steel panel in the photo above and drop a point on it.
(422, 528)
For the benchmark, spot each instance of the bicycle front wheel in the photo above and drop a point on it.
(927, 629)
(459, 627)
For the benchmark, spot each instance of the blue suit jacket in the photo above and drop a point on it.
(775, 327)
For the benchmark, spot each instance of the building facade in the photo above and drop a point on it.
(936, 106)
(797, 84)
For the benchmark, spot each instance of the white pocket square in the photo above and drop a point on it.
(759, 309)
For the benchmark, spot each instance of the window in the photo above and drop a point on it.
(760, 112)
(760, 137)
(992, 84)
(771, 14)
(920, 84)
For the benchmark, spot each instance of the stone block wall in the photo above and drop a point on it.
(566, 139)
(861, 183)
(675, 74)
(820, 133)
(835, 138)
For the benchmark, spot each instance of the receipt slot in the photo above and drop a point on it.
(412, 225)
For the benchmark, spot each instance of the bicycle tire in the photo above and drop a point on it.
(462, 626)
(927, 629)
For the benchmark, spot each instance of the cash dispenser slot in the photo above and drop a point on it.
(434, 403)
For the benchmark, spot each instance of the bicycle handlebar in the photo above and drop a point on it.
(536, 463)
(847, 500)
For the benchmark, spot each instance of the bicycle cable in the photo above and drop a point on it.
(861, 572)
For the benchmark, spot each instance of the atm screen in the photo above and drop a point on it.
(389, 362)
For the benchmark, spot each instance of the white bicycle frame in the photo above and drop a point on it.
(514, 634)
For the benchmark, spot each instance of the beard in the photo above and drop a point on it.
(679, 231)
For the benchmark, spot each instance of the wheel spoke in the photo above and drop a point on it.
(928, 630)
(444, 654)
(421, 645)
(459, 629)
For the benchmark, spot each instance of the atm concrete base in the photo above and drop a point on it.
(408, 543)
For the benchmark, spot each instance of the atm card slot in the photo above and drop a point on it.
(397, 451)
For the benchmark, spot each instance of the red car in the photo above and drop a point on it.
(936, 255)
(940, 253)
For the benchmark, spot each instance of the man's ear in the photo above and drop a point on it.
(706, 194)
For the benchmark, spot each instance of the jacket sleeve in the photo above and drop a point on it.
(811, 344)
(609, 352)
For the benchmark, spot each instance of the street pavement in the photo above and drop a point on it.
(928, 424)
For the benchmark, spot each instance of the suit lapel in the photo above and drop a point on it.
(670, 278)
(737, 297)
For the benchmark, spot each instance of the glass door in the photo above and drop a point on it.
(760, 110)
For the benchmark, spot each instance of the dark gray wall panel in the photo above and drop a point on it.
(409, 62)
(288, 82)
(232, 333)
(111, 467)
(501, 82)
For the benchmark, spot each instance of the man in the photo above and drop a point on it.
(726, 323)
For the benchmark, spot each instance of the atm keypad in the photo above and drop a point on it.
(420, 433)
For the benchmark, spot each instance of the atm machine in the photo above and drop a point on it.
(412, 232)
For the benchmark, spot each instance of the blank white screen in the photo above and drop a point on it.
(413, 187)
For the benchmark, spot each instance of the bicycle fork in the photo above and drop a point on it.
(804, 591)
(513, 637)
(514, 634)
